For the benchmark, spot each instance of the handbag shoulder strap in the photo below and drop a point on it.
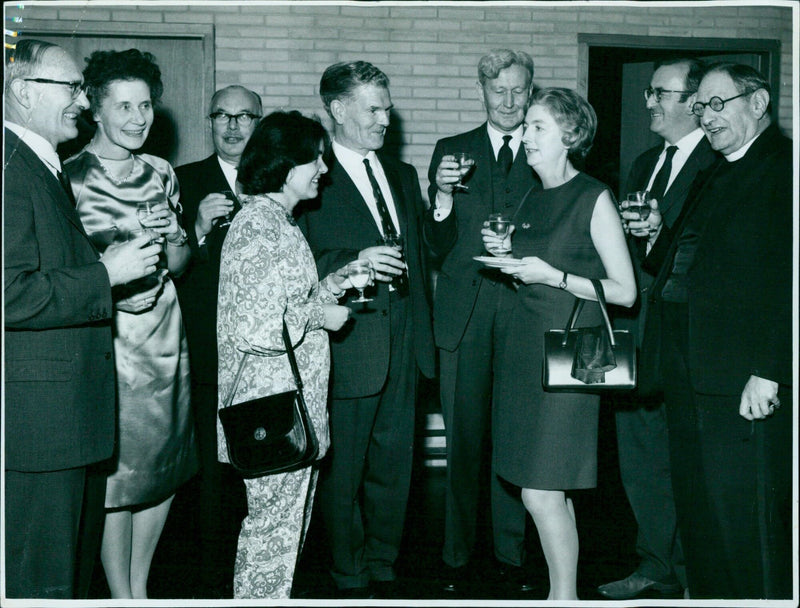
(601, 302)
(287, 341)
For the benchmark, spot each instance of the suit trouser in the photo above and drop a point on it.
(222, 502)
(53, 522)
(364, 482)
(643, 445)
(465, 387)
(732, 480)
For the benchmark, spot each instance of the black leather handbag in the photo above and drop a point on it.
(270, 434)
(589, 359)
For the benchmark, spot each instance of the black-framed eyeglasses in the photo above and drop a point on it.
(657, 92)
(75, 86)
(243, 119)
(715, 103)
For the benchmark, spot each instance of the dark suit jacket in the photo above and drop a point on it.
(701, 158)
(457, 239)
(339, 225)
(60, 385)
(740, 280)
(197, 286)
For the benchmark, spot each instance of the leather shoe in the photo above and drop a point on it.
(634, 585)
(454, 579)
(514, 579)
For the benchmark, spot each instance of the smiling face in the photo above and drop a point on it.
(302, 183)
(505, 98)
(124, 118)
(231, 138)
(360, 121)
(738, 121)
(671, 118)
(53, 112)
(542, 139)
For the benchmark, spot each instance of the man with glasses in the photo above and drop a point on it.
(59, 413)
(720, 324)
(666, 171)
(209, 200)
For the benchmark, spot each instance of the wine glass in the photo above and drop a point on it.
(465, 164)
(500, 224)
(226, 219)
(359, 272)
(143, 211)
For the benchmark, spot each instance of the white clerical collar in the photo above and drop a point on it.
(496, 137)
(41, 147)
(734, 156)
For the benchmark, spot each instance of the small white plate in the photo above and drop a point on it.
(493, 262)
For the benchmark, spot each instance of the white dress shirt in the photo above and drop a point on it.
(353, 163)
(230, 172)
(686, 146)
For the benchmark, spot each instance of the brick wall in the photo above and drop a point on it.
(430, 51)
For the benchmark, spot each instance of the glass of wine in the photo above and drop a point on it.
(395, 241)
(226, 219)
(465, 164)
(359, 272)
(500, 224)
(143, 211)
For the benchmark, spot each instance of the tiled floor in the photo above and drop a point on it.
(606, 530)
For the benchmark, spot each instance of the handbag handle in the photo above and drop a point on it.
(287, 341)
(576, 310)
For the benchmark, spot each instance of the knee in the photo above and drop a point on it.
(540, 503)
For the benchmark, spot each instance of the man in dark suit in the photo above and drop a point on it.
(59, 415)
(364, 484)
(464, 307)
(208, 197)
(720, 325)
(667, 171)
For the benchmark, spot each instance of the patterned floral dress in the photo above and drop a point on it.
(268, 273)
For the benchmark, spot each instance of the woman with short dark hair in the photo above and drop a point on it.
(268, 275)
(566, 234)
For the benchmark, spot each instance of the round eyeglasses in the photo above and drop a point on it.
(657, 92)
(75, 86)
(715, 103)
(242, 119)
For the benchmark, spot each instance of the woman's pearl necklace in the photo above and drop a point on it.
(107, 171)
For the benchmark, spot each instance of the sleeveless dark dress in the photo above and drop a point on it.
(543, 440)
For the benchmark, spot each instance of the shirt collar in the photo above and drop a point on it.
(496, 137)
(41, 147)
(688, 142)
(230, 171)
(734, 156)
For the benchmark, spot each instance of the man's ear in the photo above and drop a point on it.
(21, 92)
(479, 92)
(759, 102)
(337, 111)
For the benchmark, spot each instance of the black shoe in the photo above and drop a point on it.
(513, 579)
(635, 585)
(354, 593)
(385, 590)
(454, 579)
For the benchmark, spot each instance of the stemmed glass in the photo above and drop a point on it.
(359, 272)
(465, 164)
(501, 225)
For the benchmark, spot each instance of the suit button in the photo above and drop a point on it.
(107, 356)
(385, 313)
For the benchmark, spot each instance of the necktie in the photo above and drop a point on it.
(505, 157)
(660, 182)
(383, 210)
(63, 179)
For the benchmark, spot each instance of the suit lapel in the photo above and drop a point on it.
(396, 186)
(347, 191)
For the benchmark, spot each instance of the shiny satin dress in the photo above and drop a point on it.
(156, 449)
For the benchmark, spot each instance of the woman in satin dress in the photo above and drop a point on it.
(566, 234)
(155, 444)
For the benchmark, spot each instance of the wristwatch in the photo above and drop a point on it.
(563, 283)
(180, 240)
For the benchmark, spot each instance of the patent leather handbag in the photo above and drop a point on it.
(589, 359)
(270, 434)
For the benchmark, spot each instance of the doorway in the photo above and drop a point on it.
(619, 69)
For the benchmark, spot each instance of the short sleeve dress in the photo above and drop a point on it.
(543, 440)
(156, 449)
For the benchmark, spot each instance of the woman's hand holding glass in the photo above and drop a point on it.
(498, 244)
(160, 218)
(143, 300)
